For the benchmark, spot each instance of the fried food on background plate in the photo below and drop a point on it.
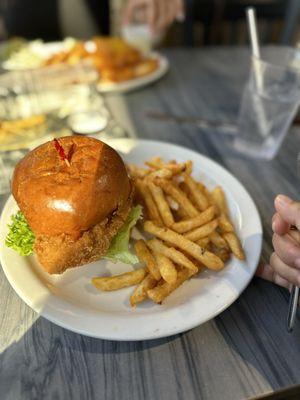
(116, 60)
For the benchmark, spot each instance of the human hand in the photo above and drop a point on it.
(284, 266)
(157, 14)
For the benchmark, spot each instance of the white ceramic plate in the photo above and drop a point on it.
(69, 300)
(137, 83)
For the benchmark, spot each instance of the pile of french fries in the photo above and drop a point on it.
(190, 227)
(10, 129)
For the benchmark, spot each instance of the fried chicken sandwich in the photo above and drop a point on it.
(75, 201)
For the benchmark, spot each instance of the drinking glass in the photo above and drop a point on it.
(269, 103)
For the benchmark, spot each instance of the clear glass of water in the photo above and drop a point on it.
(270, 101)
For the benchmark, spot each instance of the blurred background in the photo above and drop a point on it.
(56, 89)
(207, 22)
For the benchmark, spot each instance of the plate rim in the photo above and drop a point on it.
(140, 82)
(117, 336)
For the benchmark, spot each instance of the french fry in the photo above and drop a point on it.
(178, 195)
(176, 168)
(151, 206)
(178, 211)
(203, 188)
(120, 281)
(175, 255)
(160, 292)
(140, 292)
(144, 255)
(137, 172)
(189, 224)
(209, 259)
(183, 186)
(199, 265)
(161, 203)
(198, 196)
(225, 224)
(24, 123)
(157, 163)
(218, 240)
(189, 167)
(160, 173)
(203, 242)
(235, 245)
(172, 203)
(166, 267)
(218, 196)
(202, 231)
(223, 253)
(181, 214)
(191, 227)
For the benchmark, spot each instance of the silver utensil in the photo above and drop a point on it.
(294, 295)
(222, 126)
(292, 311)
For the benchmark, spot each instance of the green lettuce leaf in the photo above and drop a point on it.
(119, 247)
(20, 237)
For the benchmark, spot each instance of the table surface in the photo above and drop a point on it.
(242, 353)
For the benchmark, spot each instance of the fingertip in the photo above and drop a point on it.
(282, 201)
(180, 17)
(279, 226)
(274, 223)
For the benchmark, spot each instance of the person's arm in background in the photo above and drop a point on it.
(157, 14)
(284, 266)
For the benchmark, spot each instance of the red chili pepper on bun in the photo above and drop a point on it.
(61, 152)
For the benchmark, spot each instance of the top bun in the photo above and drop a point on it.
(58, 199)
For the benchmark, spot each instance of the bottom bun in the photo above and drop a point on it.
(58, 253)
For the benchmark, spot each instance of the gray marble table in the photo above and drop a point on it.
(243, 353)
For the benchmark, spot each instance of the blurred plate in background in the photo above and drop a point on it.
(137, 83)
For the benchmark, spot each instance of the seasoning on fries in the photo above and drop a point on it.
(175, 255)
(160, 292)
(203, 231)
(197, 195)
(178, 195)
(140, 292)
(166, 267)
(146, 257)
(120, 281)
(161, 203)
(190, 227)
(189, 224)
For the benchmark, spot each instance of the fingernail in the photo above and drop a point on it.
(283, 200)
(180, 17)
(273, 226)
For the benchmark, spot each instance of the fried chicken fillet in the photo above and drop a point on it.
(74, 211)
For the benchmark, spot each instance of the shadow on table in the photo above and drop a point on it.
(47, 333)
(50, 356)
(248, 340)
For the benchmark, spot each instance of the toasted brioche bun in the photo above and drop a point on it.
(74, 211)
